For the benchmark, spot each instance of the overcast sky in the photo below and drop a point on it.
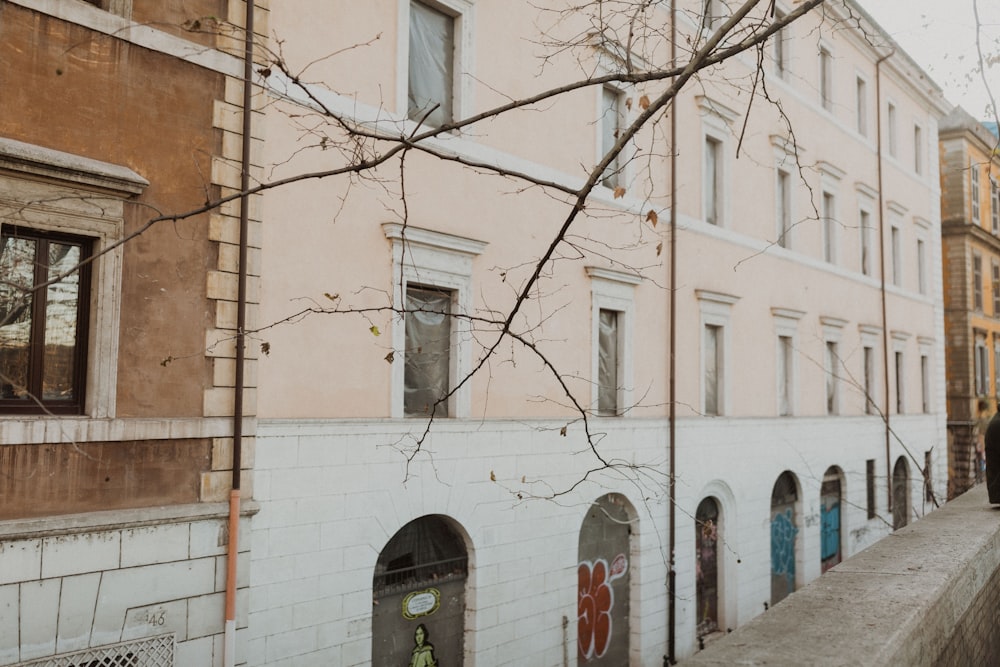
(940, 36)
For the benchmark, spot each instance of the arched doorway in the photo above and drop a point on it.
(418, 594)
(706, 544)
(830, 494)
(784, 530)
(900, 493)
(604, 582)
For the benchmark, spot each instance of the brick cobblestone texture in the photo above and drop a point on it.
(976, 640)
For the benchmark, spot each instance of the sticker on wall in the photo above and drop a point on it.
(421, 603)
(423, 650)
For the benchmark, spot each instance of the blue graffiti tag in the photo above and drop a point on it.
(783, 546)
(830, 531)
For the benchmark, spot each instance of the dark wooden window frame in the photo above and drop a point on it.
(38, 405)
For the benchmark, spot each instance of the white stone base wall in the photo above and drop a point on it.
(332, 493)
(84, 581)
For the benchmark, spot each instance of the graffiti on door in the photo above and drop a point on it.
(595, 602)
(783, 532)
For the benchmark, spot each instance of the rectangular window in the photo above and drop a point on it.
(925, 384)
(974, 189)
(829, 228)
(870, 487)
(712, 15)
(995, 206)
(996, 365)
(786, 386)
(977, 282)
(861, 111)
(783, 207)
(826, 78)
(890, 129)
(713, 369)
(869, 371)
(865, 224)
(612, 124)
(900, 396)
(713, 180)
(43, 330)
(780, 41)
(918, 149)
(897, 252)
(832, 362)
(921, 266)
(608, 362)
(982, 368)
(431, 65)
(427, 370)
(996, 289)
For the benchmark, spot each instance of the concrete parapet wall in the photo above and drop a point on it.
(925, 595)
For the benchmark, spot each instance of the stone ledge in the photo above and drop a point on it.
(92, 522)
(896, 603)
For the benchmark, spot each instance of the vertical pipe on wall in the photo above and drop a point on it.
(229, 650)
(671, 291)
(881, 247)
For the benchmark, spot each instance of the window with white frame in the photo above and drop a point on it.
(870, 336)
(716, 309)
(861, 105)
(432, 340)
(612, 304)
(832, 330)
(867, 252)
(900, 372)
(925, 382)
(926, 346)
(830, 180)
(779, 46)
(890, 128)
(783, 206)
(427, 353)
(786, 327)
(829, 228)
(716, 127)
(918, 149)
(437, 52)
(895, 241)
(977, 282)
(60, 342)
(612, 124)
(981, 366)
(826, 78)
(974, 190)
(923, 230)
(714, 12)
(713, 180)
(900, 383)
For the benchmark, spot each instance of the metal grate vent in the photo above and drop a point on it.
(154, 652)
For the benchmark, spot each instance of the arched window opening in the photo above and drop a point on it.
(706, 540)
(829, 519)
(418, 595)
(783, 536)
(604, 582)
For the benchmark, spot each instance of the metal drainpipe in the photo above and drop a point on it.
(229, 651)
(672, 497)
(881, 245)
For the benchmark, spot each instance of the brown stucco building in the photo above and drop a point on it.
(118, 287)
(970, 230)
